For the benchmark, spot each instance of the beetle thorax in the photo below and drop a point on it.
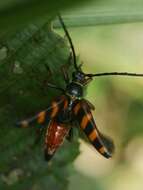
(74, 90)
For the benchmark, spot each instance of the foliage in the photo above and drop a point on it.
(15, 14)
(23, 93)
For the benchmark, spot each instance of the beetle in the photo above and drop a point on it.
(71, 109)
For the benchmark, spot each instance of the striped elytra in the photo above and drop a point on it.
(70, 109)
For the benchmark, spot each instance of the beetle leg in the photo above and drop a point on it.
(44, 116)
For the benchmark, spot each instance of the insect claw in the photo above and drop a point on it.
(23, 124)
(48, 157)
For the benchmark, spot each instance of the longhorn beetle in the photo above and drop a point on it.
(71, 109)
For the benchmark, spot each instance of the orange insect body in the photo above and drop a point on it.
(70, 109)
(65, 112)
(55, 136)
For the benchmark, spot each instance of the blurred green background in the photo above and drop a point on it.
(119, 106)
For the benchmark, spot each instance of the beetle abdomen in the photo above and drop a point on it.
(55, 136)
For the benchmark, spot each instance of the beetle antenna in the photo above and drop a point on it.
(115, 74)
(70, 41)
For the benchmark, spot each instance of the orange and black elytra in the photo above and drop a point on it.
(71, 109)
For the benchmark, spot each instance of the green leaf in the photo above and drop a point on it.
(23, 92)
(15, 14)
(104, 12)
